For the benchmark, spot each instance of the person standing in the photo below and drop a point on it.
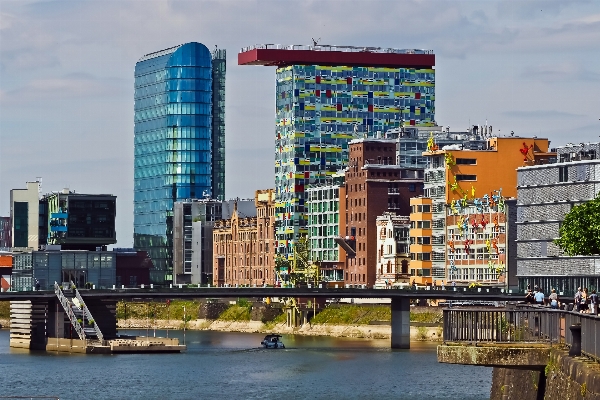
(594, 303)
(585, 301)
(539, 297)
(553, 299)
(577, 299)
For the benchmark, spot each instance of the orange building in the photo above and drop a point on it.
(243, 252)
(5, 271)
(421, 238)
(465, 187)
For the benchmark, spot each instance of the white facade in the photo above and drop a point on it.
(31, 197)
(393, 244)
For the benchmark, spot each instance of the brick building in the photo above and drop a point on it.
(374, 185)
(244, 247)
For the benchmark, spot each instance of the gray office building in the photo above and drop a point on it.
(546, 193)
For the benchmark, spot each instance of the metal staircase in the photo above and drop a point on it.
(66, 303)
(87, 328)
(93, 329)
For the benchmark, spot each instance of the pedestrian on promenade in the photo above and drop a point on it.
(553, 299)
(577, 299)
(594, 303)
(585, 300)
(529, 298)
(539, 297)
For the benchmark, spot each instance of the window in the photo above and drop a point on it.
(423, 224)
(563, 174)
(411, 187)
(466, 177)
(466, 161)
(425, 208)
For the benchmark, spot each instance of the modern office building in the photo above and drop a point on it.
(78, 221)
(325, 216)
(546, 193)
(24, 216)
(469, 209)
(326, 96)
(5, 232)
(193, 240)
(178, 144)
(412, 141)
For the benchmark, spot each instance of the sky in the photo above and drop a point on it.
(66, 76)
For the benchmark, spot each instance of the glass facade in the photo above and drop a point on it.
(319, 109)
(218, 124)
(173, 144)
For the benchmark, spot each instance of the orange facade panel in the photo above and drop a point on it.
(5, 260)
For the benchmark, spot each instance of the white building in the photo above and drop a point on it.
(393, 254)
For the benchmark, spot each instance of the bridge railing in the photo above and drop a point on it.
(501, 325)
(522, 325)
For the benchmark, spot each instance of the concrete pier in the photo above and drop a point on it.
(400, 335)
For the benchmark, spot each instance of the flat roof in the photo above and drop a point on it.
(282, 55)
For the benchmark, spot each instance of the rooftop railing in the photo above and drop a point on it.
(326, 47)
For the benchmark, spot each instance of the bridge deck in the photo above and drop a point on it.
(216, 292)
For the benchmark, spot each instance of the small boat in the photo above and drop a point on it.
(272, 342)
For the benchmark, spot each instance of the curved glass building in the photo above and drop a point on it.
(179, 142)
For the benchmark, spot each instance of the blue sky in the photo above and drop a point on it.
(66, 76)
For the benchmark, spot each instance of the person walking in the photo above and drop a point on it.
(553, 299)
(594, 303)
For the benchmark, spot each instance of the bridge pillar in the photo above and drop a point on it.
(55, 327)
(400, 323)
(105, 315)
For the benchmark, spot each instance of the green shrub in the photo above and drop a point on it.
(4, 309)
(236, 313)
(352, 314)
(421, 333)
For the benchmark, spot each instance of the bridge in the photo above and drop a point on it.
(41, 313)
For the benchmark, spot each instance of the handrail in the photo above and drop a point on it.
(67, 307)
(88, 314)
(530, 324)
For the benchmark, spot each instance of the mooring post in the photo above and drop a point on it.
(400, 334)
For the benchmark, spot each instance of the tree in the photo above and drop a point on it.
(580, 230)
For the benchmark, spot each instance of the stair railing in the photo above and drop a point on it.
(87, 312)
(64, 301)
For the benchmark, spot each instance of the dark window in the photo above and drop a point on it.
(466, 161)
(21, 221)
(466, 177)
(563, 174)
(411, 187)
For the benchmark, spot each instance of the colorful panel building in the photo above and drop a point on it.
(469, 212)
(327, 95)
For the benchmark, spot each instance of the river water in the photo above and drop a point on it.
(221, 365)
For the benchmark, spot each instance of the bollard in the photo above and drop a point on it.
(152, 286)
(575, 350)
(180, 286)
(208, 285)
(93, 286)
(142, 285)
(113, 287)
(171, 286)
(122, 286)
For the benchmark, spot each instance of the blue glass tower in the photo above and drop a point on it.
(173, 144)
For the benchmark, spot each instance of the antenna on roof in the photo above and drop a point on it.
(315, 42)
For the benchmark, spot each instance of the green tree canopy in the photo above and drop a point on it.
(580, 231)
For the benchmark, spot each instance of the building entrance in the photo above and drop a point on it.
(75, 275)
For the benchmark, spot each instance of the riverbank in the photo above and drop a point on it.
(426, 333)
